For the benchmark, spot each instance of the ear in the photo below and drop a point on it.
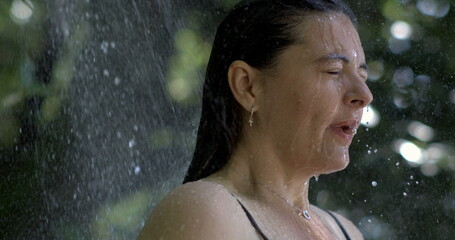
(243, 83)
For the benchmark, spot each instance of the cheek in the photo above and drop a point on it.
(327, 103)
(308, 96)
(280, 109)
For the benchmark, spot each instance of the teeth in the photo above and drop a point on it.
(354, 131)
(349, 130)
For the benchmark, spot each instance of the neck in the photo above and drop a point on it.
(262, 174)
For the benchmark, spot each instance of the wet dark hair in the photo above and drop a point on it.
(255, 31)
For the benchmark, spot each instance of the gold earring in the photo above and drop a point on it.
(251, 120)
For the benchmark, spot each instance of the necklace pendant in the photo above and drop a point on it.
(306, 214)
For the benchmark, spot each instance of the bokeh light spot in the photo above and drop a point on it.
(401, 30)
(398, 46)
(403, 76)
(21, 11)
(438, 9)
(452, 96)
(179, 89)
(370, 117)
(409, 151)
(375, 70)
(421, 131)
(401, 101)
(429, 169)
(438, 151)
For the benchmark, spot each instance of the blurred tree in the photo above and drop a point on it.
(400, 184)
(35, 69)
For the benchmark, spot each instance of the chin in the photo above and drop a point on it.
(337, 162)
(333, 169)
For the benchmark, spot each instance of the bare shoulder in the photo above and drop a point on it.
(350, 228)
(197, 210)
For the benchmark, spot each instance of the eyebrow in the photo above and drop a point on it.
(345, 59)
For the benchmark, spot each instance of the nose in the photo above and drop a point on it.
(358, 94)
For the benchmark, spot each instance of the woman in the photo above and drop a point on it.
(283, 97)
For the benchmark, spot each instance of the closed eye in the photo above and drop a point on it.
(363, 75)
(334, 72)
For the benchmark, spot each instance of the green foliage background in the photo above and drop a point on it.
(407, 201)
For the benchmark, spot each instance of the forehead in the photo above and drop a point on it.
(330, 33)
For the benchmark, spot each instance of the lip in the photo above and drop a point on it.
(345, 130)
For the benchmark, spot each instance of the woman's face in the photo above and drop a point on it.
(311, 101)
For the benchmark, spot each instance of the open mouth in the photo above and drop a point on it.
(349, 130)
(346, 129)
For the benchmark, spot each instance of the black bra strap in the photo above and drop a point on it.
(253, 222)
(255, 225)
(339, 225)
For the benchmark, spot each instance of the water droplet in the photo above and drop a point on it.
(369, 220)
(367, 129)
(104, 47)
(376, 151)
(137, 170)
(374, 183)
(106, 72)
(369, 152)
(405, 194)
(411, 177)
(131, 143)
(117, 81)
(417, 182)
(397, 164)
(316, 177)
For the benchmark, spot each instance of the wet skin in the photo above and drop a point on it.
(305, 111)
(310, 103)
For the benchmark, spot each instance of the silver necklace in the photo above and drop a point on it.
(301, 212)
